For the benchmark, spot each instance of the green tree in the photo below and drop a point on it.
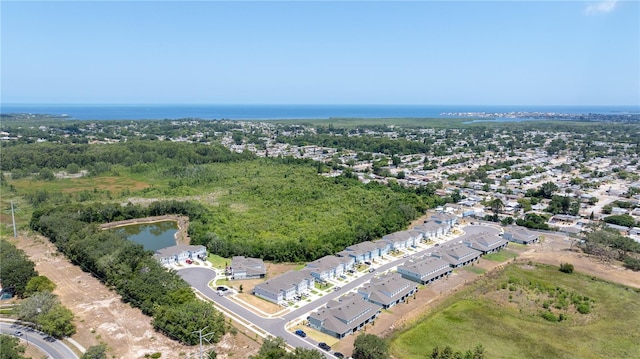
(57, 322)
(39, 284)
(16, 269)
(369, 346)
(95, 352)
(34, 306)
(10, 348)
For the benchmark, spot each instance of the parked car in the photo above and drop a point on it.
(17, 333)
(338, 355)
(338, 288)
(301, 333)
(324, 346)
(189, 261)
(367, 263)
(371, 270)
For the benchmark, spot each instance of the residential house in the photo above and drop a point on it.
(180, 253)
(246, 268)
(425, 270)
(457, 255)
(344, 316)
(399, 240)
(327, 267)
(285, 286)
(520, 235)
(388, 290)
(361, 252)
(486, 243)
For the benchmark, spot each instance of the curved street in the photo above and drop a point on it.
(199, 278)
(55, 349)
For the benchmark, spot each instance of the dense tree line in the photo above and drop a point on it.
(359, 143)
(128, 268)
(35, 158)
(608, 244)
(15, 268)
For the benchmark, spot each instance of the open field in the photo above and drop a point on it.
(508, 324)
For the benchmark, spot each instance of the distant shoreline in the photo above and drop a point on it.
(99, 112)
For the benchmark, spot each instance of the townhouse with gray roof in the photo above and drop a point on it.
(400, 240)
(329, 267)
(457, 255)
(486, 243)
(246, 268)
(521, 235)
(361, 252)
(425, 270)
(344, 316)
(285, 286)
(388, 290)
(432, 229)
(180, 253)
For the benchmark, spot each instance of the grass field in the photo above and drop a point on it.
(500, 256)
(507, 322)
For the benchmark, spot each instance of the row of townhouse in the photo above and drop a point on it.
(180, 253)
(443, 260)
(353, 311)
(286, 287)
(282, 288)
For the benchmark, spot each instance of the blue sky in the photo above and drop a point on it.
(358, 52)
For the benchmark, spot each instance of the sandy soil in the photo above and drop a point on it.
(101, 316)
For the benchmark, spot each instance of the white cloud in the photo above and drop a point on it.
(601, 7)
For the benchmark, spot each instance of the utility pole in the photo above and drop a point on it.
(203, 336)
(13, 219)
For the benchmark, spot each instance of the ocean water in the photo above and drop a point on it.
(284, 112)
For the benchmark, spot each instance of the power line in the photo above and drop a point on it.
(205, 337)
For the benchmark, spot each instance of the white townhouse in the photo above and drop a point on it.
(285, 286)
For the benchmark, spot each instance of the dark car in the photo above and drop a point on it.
(324, 346)
(301, 333)
(367, 263)
(338, 355)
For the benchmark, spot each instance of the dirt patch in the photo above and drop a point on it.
(102, 317)
(182, 236)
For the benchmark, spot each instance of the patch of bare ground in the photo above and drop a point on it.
(102, 317)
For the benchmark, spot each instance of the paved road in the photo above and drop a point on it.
(54, 349)
(199, 278)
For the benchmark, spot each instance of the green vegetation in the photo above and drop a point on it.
(609, 244)
(125, 266)
(11, 348)
(16, 269)
(566, 268)
(509, 323)
(275, 348)
(46, 312)
(369, 346)
(448, 353)
(624, 220)
(95, 352)
(500, 256)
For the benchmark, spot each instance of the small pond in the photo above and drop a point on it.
(152, 236)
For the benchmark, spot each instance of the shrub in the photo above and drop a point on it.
(566, 268)
(584, 308)
(549, 316)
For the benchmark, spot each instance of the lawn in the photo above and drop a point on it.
(501, 256)
(217, 261)
(475, 270)
(507, 322)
